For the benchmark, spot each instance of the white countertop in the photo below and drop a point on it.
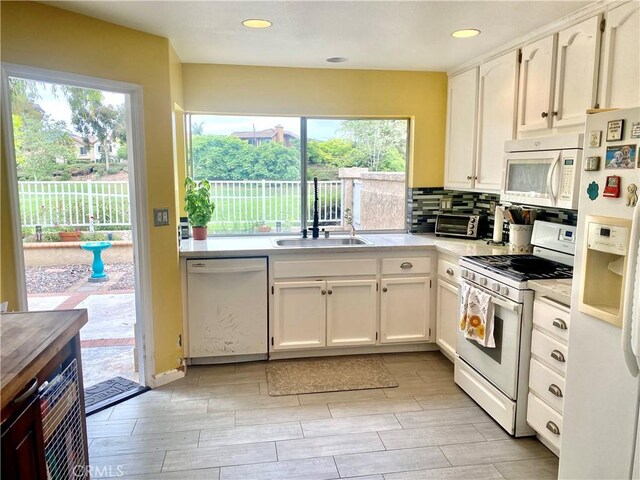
(263, 245)
(556, 289)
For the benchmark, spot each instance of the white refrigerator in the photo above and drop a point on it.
(600, 421)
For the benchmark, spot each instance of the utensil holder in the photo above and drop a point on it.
(520, 238)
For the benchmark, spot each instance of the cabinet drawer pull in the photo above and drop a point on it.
(384, 289)
(406, 265)
(324, 292)
(556, 355)
(449, 271)
(553, 428)
(555, 390)
(558, 323)
(33, 387)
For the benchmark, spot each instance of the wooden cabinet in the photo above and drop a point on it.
(299, 315)
(496, 118)
(404, 310)
(621, 60)
(461, 130)
(558, 78)
(351, 312)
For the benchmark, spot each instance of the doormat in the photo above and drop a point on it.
(110, 392)
(331, 374)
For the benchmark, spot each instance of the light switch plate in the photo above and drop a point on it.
(160, 217)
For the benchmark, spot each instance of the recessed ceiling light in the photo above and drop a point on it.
(466, 33)
(256, 23)
(337, 59)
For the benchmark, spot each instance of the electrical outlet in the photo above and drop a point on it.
(160, 217)
(492, 207)
(446, 203)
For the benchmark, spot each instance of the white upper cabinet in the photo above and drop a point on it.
(576, 72)
(559, 78)
(620, 85)
(537, 75)
(461, 129)
(496, 118)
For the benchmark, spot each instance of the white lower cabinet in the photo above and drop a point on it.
(300, 315)
(404, 309)
(351, 312)
(447, 318)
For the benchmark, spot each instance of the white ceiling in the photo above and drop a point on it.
(393, 35)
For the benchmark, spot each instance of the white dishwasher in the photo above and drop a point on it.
(227, 309)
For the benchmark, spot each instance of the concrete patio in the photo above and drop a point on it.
(108, 339)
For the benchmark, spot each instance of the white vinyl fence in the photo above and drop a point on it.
(107, 203)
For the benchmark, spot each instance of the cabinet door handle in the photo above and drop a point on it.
(555, 390)
(553, 428)
(469, 177)
(330, 292)
(559, 323)
(556, 355)
(406, 265)
(544, 114)
(324, 292)
(449, 271)
(33, 387)
(384, 289)
(555, 114)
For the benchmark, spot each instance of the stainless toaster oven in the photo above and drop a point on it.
(461, 225)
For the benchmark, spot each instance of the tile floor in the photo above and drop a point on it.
(219, 423)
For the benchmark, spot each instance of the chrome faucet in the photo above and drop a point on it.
(348, 218)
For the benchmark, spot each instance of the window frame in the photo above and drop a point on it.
(304, 195)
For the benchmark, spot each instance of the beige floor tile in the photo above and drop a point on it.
(423, 389)
(540, 469)
(449, 400)
(200, 474)
(252, 402)
(390, 461)
(161, 410)
(307, 469)
(103, 466)
(344, 397)
(475, 472)
(145, 443)
(250, 434)
(184, 423)
(151, 396)
(207, 457)
(100, 416)
(431, 373)
(343, 426)
(281, 415)
(449, 416)
(197, 370)
(405, 357)
(113, 428)
(194, 392)
(492, 431)
(494, 452)
(367, 477)
(251, 367)
(430, 436)
(327, 446)
(209, 380)
(356, 409)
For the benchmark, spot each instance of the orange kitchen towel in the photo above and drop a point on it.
(477, 315)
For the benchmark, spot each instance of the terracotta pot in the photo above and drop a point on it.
(199, 233)
(69, 236)
(264, 228)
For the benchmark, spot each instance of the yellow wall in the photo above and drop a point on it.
(43, 36)
(8, 291)
(229, 89)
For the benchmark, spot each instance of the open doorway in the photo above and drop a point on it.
(74, 192)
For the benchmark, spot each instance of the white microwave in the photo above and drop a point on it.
(543, 171)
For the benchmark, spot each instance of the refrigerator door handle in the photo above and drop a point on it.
(628, 321)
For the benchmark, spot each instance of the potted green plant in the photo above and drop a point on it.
(198, 206)
(69, 234)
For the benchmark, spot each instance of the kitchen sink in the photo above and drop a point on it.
(320, 242)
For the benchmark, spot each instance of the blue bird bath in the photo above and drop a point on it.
(96, 248)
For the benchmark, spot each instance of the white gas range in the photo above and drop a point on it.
(497, 378)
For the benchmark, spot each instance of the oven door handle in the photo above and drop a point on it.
(515, 307)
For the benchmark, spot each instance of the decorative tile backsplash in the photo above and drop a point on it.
(424, 205)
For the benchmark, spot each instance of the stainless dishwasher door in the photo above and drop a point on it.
(227, 307)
